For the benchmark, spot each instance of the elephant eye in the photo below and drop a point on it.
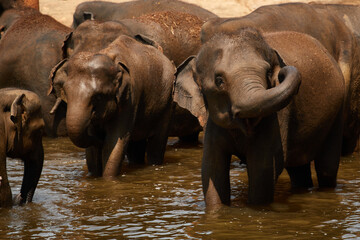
(219, 80)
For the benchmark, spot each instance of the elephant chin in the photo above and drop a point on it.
(247, 125)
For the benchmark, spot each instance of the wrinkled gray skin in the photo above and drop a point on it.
(21, 127)
(115, 96)
(178, 44)
(259, 111)
(32, 44)
(109, 11)
(335, 26)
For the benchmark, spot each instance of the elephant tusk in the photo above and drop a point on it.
(56, 105)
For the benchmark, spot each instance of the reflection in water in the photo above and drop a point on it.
(167, 202)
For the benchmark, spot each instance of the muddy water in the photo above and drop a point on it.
(166, 202)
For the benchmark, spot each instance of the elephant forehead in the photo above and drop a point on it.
(101, 64)
(90, 67)
(88, 86)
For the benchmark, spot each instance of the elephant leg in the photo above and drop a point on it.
(94, 160)
(156, 145)
(32, 172)
(5, 190)
(300, 176)
(136, 151)
(349, 145)
(156, 149)
(263, 160)
(215, 168)
(327, 161)
(114, 153)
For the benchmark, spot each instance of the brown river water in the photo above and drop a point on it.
(166, 202)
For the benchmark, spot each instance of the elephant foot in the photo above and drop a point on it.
(327, 181)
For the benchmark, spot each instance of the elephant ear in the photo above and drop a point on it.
(187, 93)
(280, 59)
(68, 46)
(57, 80)
(277, 63)
(146, 40)
(17, 109)
(17, 116)
(123, 83)
(88, 16)
(2, 31)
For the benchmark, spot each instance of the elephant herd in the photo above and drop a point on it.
(278, 88)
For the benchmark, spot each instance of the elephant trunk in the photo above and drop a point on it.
(78, 120)
(266, 101)
(33, 165)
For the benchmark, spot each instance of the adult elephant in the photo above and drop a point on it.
(259, 111)
(21, 127)
(109, 11)
(115, 96)
(327, 23)
(31, 47)
(176, 34)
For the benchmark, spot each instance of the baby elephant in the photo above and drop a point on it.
(21, 129)
(118, 95)
(266, 113)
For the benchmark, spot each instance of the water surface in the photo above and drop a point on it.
(166, 202)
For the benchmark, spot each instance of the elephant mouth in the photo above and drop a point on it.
(248, 125)
(96, 132)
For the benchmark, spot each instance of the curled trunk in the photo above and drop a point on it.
(266, 101)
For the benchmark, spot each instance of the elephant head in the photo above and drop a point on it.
(239, 78)
(92, 85)
(92, 36)
(22, 130)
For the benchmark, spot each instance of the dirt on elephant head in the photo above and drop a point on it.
(175, 22)
(31, 3)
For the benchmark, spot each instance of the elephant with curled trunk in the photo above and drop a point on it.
(21, 126)
(274, 101)
(335, 26)
(120, 94)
